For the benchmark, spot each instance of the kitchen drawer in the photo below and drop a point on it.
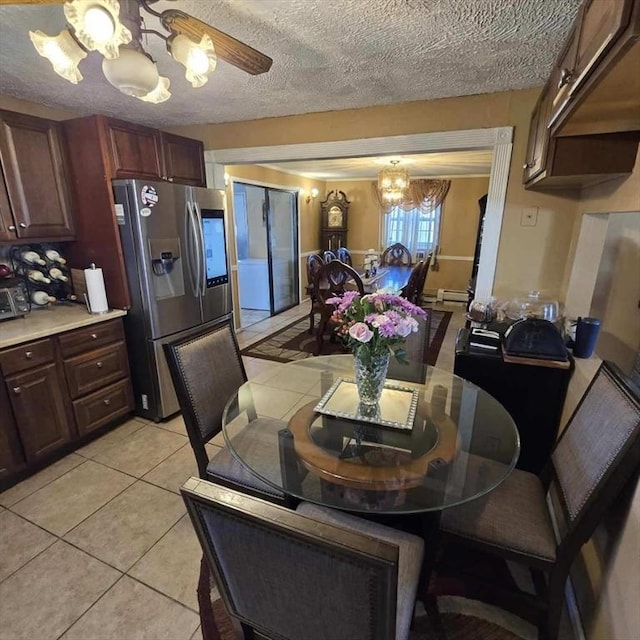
(26, 356)
(101, 407)
(90, 371)
(91, 337)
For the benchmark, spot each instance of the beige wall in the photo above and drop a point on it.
(528, 257)
(457, 236)
(607, 577)
(34, 109)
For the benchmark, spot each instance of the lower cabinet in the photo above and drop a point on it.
(58, 390)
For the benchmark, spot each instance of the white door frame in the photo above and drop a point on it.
(499, 139)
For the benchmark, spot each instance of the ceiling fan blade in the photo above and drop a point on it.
(32, 1)
(227, 48)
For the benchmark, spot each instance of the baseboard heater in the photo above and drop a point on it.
(451, 295)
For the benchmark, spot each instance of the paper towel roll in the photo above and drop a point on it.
(95, 290)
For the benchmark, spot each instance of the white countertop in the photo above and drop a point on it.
(53, 319)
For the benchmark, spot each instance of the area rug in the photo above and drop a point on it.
(457, 626)
(294, 342)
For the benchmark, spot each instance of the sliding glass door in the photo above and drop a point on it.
(267, 248)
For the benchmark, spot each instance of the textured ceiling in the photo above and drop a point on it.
(457, 163)
(327, 55)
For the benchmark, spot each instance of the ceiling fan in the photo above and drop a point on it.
(115, 28)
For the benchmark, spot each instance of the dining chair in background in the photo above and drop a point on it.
(314, 262)
(328, 256)
(331, 280)
(207, 370)
(344, 255)
(313, 574)
(410, 290)
(595, 457)
(416, 348)
(396, 255)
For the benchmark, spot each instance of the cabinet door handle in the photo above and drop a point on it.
(99, 365)
(22, 225)
(12, 227)
(17, 390)
(28, 355)
(566, 76)
(94, 336)
(107, 402)
(527, 165)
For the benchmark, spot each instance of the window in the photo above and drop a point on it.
(417, 229)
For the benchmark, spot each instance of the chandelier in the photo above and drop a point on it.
(115, 29)
(393, 182)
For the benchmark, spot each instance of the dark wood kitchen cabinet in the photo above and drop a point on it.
(101, 149)
(36, 204)
(11, 453)
(57, 392)
(38, 398)
(592, 100)
(142, 152)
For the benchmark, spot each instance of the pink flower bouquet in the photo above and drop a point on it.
(376, 323)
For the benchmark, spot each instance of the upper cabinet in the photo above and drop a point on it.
(140, 152)
(586, 125)
(34, 199)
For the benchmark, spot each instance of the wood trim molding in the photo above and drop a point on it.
(499, 139)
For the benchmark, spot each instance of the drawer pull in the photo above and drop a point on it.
(94, 336)
(107, 401)
(28, 355)
(99, 365)
(17, 390)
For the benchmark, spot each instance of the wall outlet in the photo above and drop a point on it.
(529, 217)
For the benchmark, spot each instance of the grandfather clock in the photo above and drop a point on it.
(333, 221)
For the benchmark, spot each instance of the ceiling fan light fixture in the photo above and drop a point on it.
(199, 59)
(97, 25)
(132, 72)
(393, 181)
(62, 51)
(160, 94)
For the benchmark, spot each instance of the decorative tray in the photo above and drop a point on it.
(397, 404)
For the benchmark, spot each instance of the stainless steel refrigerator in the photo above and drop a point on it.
(175, 252)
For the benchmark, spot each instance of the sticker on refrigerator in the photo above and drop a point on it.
(145, 212)
(149, 196)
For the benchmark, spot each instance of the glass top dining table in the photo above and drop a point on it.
(443, 441)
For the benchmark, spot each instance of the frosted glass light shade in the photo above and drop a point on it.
(96, 24)
(199, 59)
(160, 94)
(131, 72)
(62, 51)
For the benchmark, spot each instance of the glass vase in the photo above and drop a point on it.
(371, 372)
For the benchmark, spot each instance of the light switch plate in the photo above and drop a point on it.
(529, 217)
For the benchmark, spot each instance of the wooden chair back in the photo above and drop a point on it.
(396, 255)
(328, 256)
(344, 255)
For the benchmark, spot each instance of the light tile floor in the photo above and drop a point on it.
(99, 546)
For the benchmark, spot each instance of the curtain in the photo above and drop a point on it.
(419, 191)
(417, 229)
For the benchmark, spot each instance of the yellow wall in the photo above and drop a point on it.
(528, 257)
(34, 109)
(460, 214)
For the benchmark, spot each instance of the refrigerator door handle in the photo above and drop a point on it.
(203, 269)
(192, 251)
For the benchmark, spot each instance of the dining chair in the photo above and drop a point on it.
(314, 573)
(416, 348)
(331, 280)
(328, 256)
(410, 290)
(344, 255)
(542, 522)
(314, 262)
(397, 255)
(207, 370)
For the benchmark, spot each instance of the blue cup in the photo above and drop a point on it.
(587, 331)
